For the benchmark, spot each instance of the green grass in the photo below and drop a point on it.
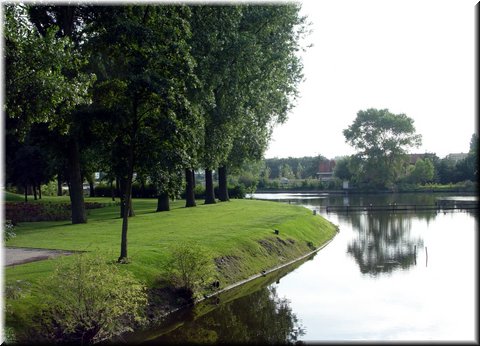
(225, 229)
(12, 197)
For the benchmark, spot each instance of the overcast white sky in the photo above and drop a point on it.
(412, 56)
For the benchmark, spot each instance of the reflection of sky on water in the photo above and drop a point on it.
(287, 196)
(433, 299)
(460, 198)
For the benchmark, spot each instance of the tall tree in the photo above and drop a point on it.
(147, 66)
(44, 81)
(251, 74)
(214, 33)
(381, 139)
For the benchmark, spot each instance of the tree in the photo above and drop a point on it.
(423, 172)
(447, 171)
(44, 79)
(468, 167)
(147, 66)
(343, 169)
(249, 71)
(286, 171)
(381, 139)
(214, 34)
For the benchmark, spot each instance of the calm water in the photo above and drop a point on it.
(385, 276)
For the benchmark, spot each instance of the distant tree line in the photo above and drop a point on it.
(293, 167)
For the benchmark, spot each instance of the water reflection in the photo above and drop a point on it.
(383, 242)
(250, 313)
(261, 318)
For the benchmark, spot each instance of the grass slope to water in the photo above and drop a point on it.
(239, 234)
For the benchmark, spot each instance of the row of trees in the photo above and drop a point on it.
(147, 91)
(293, 167)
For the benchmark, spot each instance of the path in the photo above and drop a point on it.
(19, 255)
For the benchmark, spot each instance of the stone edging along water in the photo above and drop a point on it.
(253, 277)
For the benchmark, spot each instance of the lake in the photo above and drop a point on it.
(394, 276)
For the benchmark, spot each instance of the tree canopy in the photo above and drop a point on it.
(382, 140)
(149, 91)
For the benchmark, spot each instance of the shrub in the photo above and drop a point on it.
(190, 268)
(239, 191)
(44, 211)
(88, 300)
(9, 230)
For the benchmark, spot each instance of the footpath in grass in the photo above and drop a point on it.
(239, 234)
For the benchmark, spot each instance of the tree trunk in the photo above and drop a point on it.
(128, 187)
(143, 192)
(163, 202)
(118, 190)
(59, 186)
(34, 191)
(76, 184)
(209, 191)
(92, 185)
(26, 193)
(190, 188)
(39, 191)
(123, 185)
(126, 203)
(222, 184)
(112, 190)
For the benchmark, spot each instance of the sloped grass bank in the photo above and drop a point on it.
(239, 235)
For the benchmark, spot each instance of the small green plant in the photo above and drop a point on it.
(9, 230)
(191, 267)
(87, 300)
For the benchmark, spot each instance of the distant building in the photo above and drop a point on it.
(413, 158)
(325, 170)
(456, 156)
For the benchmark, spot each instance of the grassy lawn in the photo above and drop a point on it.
(239, 229)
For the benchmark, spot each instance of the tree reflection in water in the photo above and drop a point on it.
(384, 242)
(260, 318)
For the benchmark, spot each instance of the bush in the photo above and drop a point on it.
(191, 268)
(237, 191)
(88, 300)
(44, 211)
(9, 231)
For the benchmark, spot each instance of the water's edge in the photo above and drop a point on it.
(251, 278)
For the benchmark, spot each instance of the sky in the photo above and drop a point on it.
(415, 57)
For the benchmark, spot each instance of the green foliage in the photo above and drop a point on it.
(44, 211)
(423, 172)
(343, 169)
(49, 189)
(308, 164)
(191, 267)
(381, 139)
(286, 171)
(36, 65)
(88, 300)
(8, 231)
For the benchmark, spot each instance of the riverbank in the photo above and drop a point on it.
(239, 235)
(351, 191)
